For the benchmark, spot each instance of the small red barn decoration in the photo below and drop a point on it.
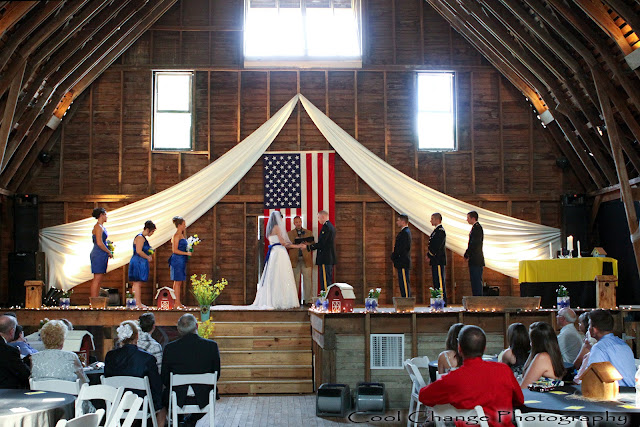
(341, 298)
(81, 343)
(166, 298)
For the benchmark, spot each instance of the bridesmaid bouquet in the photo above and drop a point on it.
(192, 241)
(111, 246)
(150, 251)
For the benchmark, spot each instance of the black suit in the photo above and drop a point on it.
(476, 258)
(190, 355)
(326, 256)
(438, 258)
(401, 257)
(13, 372)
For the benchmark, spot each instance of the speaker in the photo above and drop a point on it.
(25, 223)
(23, 266)
(575, 221)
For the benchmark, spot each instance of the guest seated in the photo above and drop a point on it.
(516, 355)
(13, 373)
(53, 362)
(587, 342)
(450, 359)
(189, 354)
(147, 323)
(545, 360)
(609, 348)
(20, 343)
(129, 360)
(569, 339)
(477, 382)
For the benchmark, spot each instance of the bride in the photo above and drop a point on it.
(277, 286)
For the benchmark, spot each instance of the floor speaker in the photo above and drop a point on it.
(23, 266)
(575, 221)
(25, 223)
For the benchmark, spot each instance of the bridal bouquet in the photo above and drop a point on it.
(192, 241)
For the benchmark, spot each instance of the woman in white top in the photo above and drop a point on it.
(450, 359)
(53, 362)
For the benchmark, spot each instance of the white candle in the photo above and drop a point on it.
(550, 251)
(579, 256)
(570, 243)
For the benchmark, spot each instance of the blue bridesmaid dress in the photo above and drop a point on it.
(99, 258)
(178, 263)
(138, 266)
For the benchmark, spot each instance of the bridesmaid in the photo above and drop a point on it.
(100, 254)
(139, 264)
(179, 257)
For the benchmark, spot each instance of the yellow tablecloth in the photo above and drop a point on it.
(563, 270)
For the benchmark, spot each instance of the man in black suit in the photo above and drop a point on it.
(438, 254)
(474, 253)
(401, 255)
(13, 372)
(189, 354)
(326, 247)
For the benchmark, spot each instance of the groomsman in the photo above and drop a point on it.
(401, 255)
(474, 253)
(326, 247)
(301, 262)
(437, 254)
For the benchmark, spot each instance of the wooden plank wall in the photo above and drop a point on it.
(103, 156)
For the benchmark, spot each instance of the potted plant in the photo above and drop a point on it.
(322, 303)
(65, 299)
(205, 292)
(563, 297)
(436, 301)
(371, 302)
(130, 299)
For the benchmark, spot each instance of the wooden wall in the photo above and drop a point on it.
(103, 158)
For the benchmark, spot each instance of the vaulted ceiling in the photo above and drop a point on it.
(573, 59)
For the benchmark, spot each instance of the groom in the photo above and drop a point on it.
(326, 247)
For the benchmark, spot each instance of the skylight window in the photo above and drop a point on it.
(436, 112)
(172, 112)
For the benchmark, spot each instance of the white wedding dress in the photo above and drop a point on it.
(277, 286)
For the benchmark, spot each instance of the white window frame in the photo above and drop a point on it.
(453, 112)
(306, 61)
(155, 110)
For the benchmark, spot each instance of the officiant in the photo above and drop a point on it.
(301, 261)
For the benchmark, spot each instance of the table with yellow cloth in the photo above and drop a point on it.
(542, 278)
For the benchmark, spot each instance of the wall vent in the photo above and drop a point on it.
(387, 351)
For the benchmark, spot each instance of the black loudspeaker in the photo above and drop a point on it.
(25, 223)
(575, 221)
(23, 266)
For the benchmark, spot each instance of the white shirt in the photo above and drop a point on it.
(570, 342)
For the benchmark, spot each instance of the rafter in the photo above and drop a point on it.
(596, 11)
(14, 12)
(9, 110)
(627, 13)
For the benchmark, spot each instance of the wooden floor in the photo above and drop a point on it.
(294, 411)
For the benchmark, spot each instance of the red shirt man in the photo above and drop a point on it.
(491, 385)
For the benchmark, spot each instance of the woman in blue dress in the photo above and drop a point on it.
(139, 264)
(100, 253)
(179, 256)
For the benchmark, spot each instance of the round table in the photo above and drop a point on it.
(34, 408)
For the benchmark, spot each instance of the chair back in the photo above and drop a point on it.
(140, 384)
(88, 420)
(440, 411)
(58, 386)
(520, 420)
(128, 409)
(110, 395)
(176, 380)
(421, 362)
(419, 379)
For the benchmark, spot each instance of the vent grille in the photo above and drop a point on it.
(387, 351)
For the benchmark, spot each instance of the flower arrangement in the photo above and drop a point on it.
(562, 291)
(129, 295)
(192, 241)
(43, 321)
(66, 294)
(374, 293)
(204, 291)
(435, 293)
(205, 329)
(111, 246)
(323, 294)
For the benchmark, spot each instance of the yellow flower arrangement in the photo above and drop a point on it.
(205, 329)
(203, 290)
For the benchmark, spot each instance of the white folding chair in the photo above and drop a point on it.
(527, 419)
(88, 420)
(417, 382)
(502, 354)
(128, 409)
(58, 386)
(110, 395)
(186, 380)
(440, 411)
(140, 384)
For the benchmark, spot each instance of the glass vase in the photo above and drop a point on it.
(130, 303)
(437, 303)
(325, 304)
(65, 302)
(563, 302)
(371, 304)
(205, 310)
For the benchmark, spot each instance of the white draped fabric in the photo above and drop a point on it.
(507, 240)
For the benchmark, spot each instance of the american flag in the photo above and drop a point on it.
(300, 183)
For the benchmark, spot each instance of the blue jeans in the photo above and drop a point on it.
(475, 274)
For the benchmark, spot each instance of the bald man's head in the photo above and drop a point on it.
(7, 327)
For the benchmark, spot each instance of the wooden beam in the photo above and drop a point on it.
(626, 12)
(13, 13)
(9, 110)
(596, 11)
(613, 188)
(556, 132)
(625, 188)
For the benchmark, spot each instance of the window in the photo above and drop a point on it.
(299, 31)
(436, 112)
(172, 110)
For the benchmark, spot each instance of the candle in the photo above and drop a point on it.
(570, 243)
(550, 251)
(579, 256)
